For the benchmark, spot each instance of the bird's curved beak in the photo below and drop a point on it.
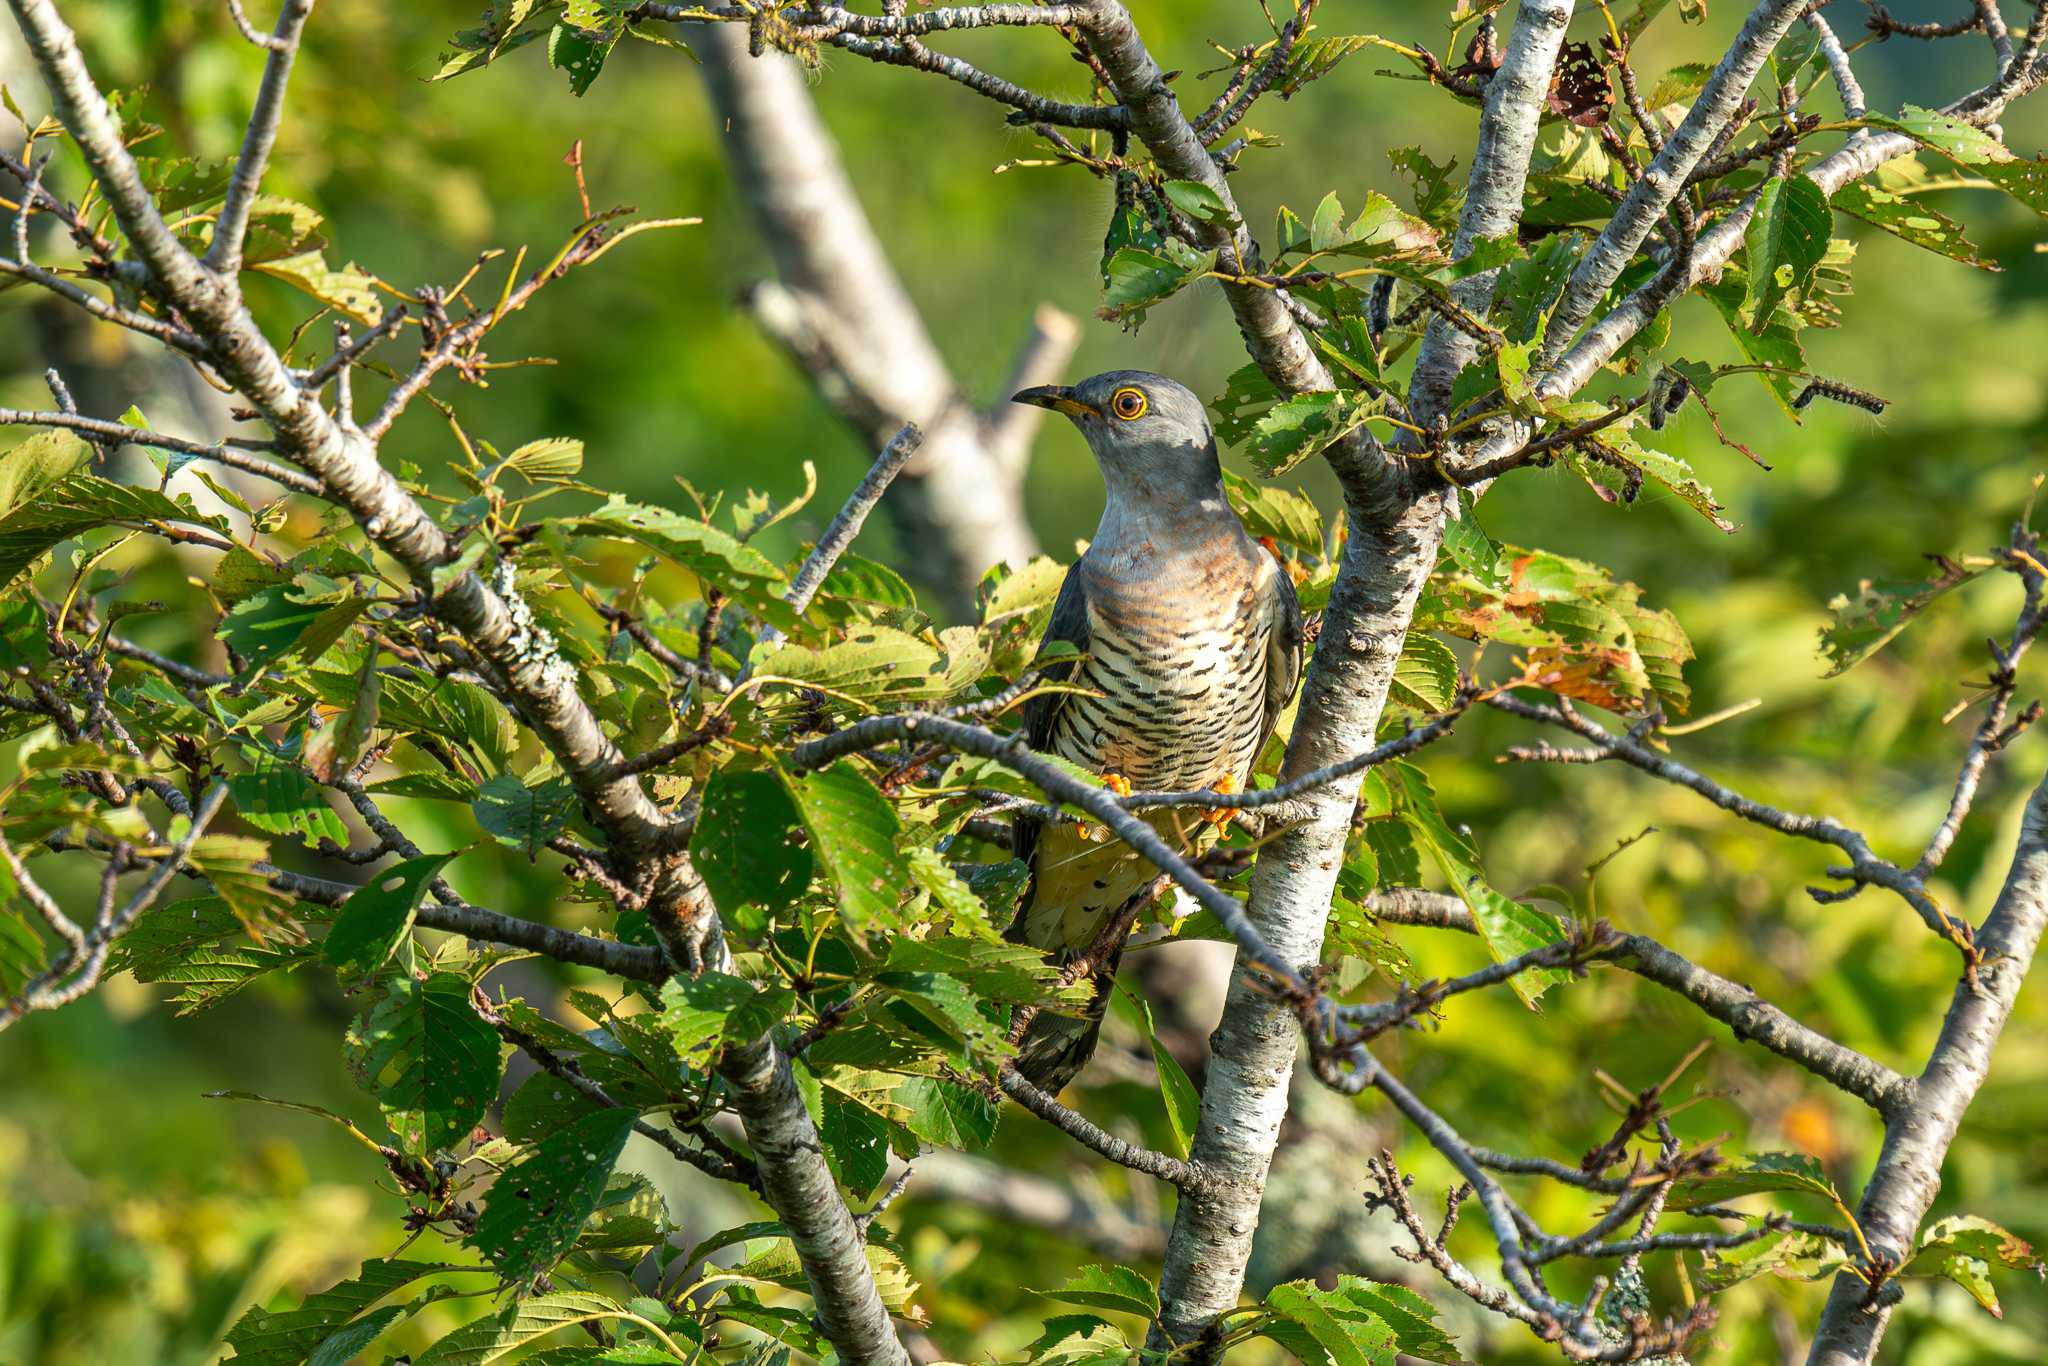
(1057, 397)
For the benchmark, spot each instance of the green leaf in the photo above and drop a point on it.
(1785, 241)
(496, 1336)
(745, 845)
(289, 1337)
(337, 746)
(1796, 1173)
(1314, 58)
(1509, 927)
(715, 1006)
(525, 817)
(1354, 1339)
(1910, 220)
(1771, 342)
(276, 797)
(1109, 1287)
(1964, 1248)
(427, 1056)
(947, 1113)
(715, 556)
(347, 289)
(1287, 517)
(42, 461)
(1197, 201)
(1872, 618)
(853, 838)
(1135, 279)
(537, 1206)
(554, 457)
(876, 664)
(346, 1344)
(379, 914)
(1302, 425)
(1426, 674)
(273, 623)
(21, 947)
(74, 506)
(1176, 1091)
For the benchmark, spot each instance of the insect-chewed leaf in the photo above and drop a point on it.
(275, 796)
(1015, 973)
(874, 664)
(537, 1206)
(377, 916)
(1796, 1173)
(946, 1112)
(1909, 220)
(1785, 241)
(182, 944)
(524, 815)
(1772, 343)
(1786, 1253)
(1299, 426)
(1964, 1248)
(701, 1011)
(1873, 617)
(428, 1057)
(1589, 635)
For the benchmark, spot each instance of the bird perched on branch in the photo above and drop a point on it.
(1189, 640)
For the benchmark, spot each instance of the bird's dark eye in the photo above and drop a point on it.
(1128, 403)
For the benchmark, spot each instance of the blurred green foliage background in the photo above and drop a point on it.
(137, 1219)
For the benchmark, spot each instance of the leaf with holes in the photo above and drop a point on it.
(378, 915)
(536, 1207)
(289, 1337)
(1873, 616)
(430, 1060)
(522, 815)
(495, 1336)
(1910, 220)
(276, 797)
(1785, 241)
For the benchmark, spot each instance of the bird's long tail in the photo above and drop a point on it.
(1055, 1048)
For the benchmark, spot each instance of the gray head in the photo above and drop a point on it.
(1149, 434)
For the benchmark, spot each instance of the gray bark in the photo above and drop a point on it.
(840, 308)
(1922, 1122)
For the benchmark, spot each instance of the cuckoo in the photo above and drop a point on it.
(1189, 647)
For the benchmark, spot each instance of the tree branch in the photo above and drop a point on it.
(796, 1182)
(224, 256)
(1665, 177)
(1920, 1128)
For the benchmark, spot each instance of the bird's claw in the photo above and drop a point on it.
(1222, 816)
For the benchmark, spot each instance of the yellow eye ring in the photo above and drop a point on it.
(1128, 404)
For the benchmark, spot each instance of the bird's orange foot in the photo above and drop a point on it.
(1222, 816)
(1117, 783)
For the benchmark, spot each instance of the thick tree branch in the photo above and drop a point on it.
(843, 313)
(1515, 99)
(797, 1183)
(1665, 177)
(224, 256)
(1918, 1131)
